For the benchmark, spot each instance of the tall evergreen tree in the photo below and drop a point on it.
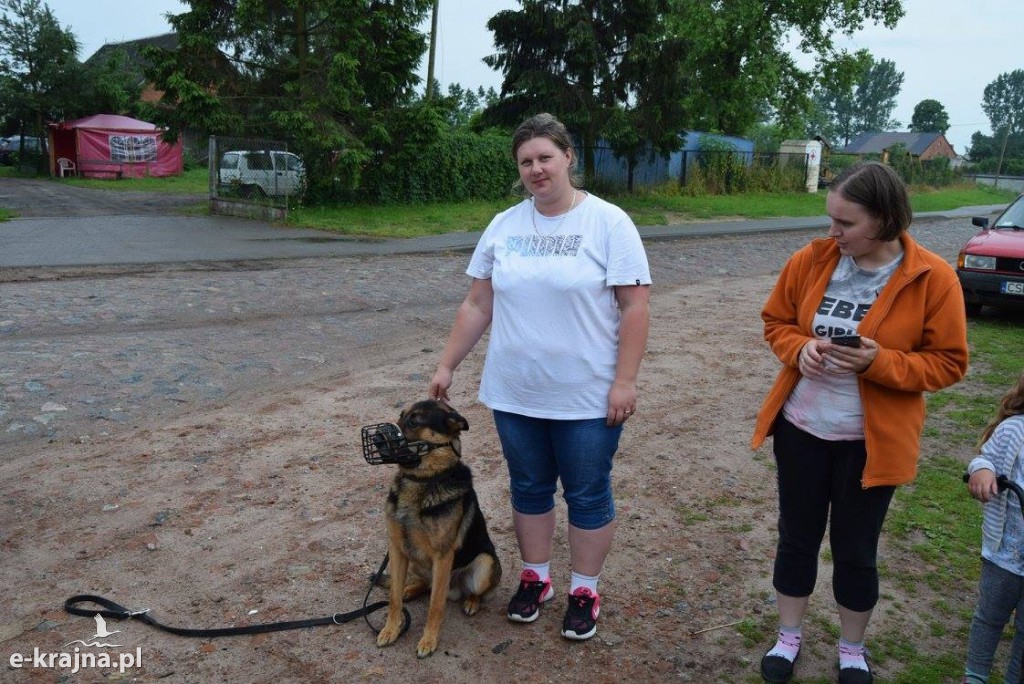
(38, 65)
(331, 76)
(575, 58)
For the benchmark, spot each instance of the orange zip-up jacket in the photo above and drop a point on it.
(920, 326)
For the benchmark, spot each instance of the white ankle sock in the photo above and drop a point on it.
(579, 580)
(788, 644)
(543, 570)
(851, 654)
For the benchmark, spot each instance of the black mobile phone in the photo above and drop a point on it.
(846, 340)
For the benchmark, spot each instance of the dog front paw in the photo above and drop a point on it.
(389, 634)
(427, 646)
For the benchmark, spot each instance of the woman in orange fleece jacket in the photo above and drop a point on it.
(847, 420)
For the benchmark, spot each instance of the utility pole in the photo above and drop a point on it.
(999, 167)
(431, 85)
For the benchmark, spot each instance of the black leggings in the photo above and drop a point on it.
(815, 475)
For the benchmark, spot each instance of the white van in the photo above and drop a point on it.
(252, 173)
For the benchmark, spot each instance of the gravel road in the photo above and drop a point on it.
(94, 349)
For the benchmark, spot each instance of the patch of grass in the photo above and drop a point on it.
(753, 630)
(934, 526)
(966, 195)
(746, 205)
(996, 349)
(400, 220)
(931, 669)
(941, 525)
(690, 514)
(658, 206)
(826, 625)
(195, 181)
(649, 208)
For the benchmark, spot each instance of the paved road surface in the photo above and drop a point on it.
(64, 226)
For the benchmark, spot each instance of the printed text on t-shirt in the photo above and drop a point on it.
(842, 309)
(544, 246)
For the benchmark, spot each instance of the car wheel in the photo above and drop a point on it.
(972, 308)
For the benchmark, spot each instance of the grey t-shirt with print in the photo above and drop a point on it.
(829, 407)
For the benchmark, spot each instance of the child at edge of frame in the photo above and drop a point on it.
(1001, 589)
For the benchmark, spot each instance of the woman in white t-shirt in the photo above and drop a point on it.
(562, 281)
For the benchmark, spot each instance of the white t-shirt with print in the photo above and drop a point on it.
(555, 324)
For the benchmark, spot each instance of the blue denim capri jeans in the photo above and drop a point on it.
(540, 451)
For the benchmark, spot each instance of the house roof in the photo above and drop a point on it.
(133, 48)
(878, 142)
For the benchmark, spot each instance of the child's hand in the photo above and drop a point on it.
(982, 485)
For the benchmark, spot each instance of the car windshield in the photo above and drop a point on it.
(1013, 217)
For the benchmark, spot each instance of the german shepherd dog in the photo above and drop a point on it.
(437, 536)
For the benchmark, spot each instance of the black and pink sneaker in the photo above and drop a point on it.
(525, 605)
(580, 621)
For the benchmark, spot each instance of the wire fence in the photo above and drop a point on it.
(703, 171)
(251, 171)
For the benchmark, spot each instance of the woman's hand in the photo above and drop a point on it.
(983, 485)
(440, 383)
(811, 360)
(621, 402)
(847, 360)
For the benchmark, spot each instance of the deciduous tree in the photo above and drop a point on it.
(704, 64)
(740, 59)
(929, 117)
(1003, 102)
(856, 94)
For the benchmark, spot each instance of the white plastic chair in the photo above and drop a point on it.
(66, 167)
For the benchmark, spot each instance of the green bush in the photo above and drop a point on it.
(837, 163)
(935, 172)
(1010, 167)
(459, 165)
(721, 170)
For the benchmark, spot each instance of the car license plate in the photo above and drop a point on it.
(1012, 287)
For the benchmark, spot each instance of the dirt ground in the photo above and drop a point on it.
(187, 442)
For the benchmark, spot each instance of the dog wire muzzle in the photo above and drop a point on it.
(385, 443)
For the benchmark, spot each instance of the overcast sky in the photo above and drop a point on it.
(948, 50)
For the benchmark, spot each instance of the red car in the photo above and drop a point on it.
(991, 264)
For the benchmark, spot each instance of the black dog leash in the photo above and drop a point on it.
(116, 611)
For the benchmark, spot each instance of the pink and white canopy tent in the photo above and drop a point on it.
(112, 146)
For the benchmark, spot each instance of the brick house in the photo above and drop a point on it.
(923, 146)
(136, 62)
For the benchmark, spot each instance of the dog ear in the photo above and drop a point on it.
(454, 418)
